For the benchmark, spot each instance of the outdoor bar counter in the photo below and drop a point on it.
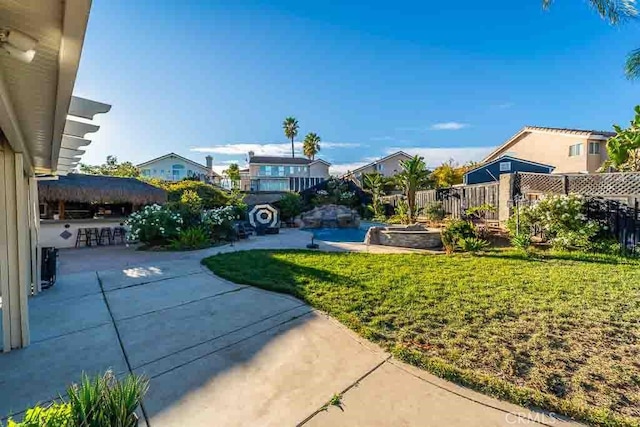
(75, 203)
(63, 233)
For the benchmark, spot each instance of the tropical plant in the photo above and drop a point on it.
(434, 211)
(454, 231)
(374, 183)
(413, 177)
(191, 238)
(111, 168)
(154, 225)
(521, 241)
(616, 12)
(401, 215)
(472, 244)
(290, 127)
(106, 401)
(624, 148)
(311, 145)
(55, 415)
(481, 212)
(290, 206)
(233, 173)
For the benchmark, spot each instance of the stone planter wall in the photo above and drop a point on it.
(404, 237)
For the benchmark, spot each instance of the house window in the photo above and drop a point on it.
(177, 172)
(380, 167)
(280, 170)
(594, 148)
(292, 170)
(267, 170)
(146, 172)
(575, 150)
(505, 166)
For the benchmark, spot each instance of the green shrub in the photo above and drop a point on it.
(454, 231)
(210, 196)
(219, 222)
(236, 201)
(609, 246)
(154, 225)
(336, 193)
(472, 244)
(434, 211)
(55, 415)
(521, 241)
(560, 218)
(106, 401)
(290, 206)
(191, 238)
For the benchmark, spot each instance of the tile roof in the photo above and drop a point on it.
(574, 131)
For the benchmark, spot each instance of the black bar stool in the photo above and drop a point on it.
(83, 236)
(119, 233)
(94, 236)
(105, 232)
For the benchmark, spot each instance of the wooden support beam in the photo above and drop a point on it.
(61, 209)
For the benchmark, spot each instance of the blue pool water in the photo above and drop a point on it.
(342, 234)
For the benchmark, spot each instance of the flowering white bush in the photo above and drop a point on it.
(562, 220)
(154, 224)
(219, 221)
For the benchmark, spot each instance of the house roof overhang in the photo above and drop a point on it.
(35, 97)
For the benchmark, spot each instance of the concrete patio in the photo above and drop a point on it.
(219, 353)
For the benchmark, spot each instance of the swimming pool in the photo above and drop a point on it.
(342, 234)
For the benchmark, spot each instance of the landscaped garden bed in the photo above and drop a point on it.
(558, 331)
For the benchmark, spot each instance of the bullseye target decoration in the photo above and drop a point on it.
(264, 216)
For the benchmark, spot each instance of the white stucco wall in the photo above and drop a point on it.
(51, 230)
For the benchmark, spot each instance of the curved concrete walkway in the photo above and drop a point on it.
(222, 354)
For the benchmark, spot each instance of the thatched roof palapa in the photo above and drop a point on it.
(99, 189)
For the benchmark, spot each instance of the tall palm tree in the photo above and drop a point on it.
(290, 126)
(311, 145)
(413, 177)
(616, 12)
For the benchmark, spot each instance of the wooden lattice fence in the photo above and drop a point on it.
(622, 187)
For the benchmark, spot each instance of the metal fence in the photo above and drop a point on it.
(622, 220)
(618, 219)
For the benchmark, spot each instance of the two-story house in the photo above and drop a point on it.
(172, 167)
(567, 150)
(270, 173)
(386, 166)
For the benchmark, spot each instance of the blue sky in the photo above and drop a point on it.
(440, 79)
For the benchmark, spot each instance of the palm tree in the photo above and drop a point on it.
(414, 177)
(616, 12)
(311, 145)
(290, 126)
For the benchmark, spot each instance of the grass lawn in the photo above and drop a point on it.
(560, 332)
